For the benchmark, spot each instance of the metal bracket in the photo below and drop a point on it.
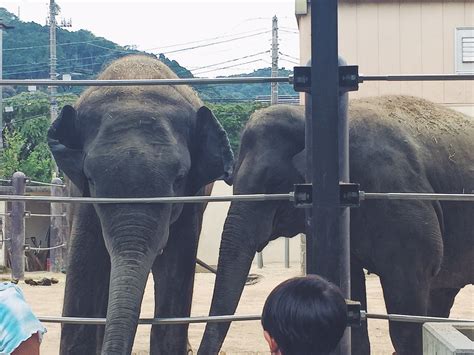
(302, 79)
(354, 317)
(348, 78)
(303, 195)
(349, 195)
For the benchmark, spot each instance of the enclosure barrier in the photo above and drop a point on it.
(206, 81)
(231, 198)
(16, 231)
(322, 30)
(239, 318)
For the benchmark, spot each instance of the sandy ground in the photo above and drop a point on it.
(244, 337)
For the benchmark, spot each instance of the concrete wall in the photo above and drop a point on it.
(402, 37)
(214, 218)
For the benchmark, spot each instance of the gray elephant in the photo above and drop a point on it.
(135, 141)
(423, 251)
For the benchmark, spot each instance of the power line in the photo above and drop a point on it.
(110, 49)
(59, 44)
(230, 66)
(289, 56)
(229, 61)
(289, 61)
(213, 43)
(207, 39)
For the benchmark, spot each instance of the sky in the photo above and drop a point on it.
(241, 28)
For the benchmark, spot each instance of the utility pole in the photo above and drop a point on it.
(2, 27)
(53, 12)
(53, 105)
(274, 94)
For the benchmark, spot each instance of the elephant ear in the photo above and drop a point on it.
(212, 158)
(65, 144)
(299, 162)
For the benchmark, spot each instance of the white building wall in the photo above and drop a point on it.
(213, 224)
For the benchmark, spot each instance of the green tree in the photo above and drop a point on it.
(25, 135)
(233, 118)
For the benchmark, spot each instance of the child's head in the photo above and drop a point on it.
(304, 315)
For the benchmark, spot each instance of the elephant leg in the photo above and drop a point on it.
(173, 273)
(441, 301)
(360, 336)
(87, 284)
(409, 295)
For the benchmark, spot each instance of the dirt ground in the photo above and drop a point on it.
(244, 337)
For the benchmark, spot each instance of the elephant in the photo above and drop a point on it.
(423, 251)
(135, 141)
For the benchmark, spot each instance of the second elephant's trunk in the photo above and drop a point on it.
(237, 250)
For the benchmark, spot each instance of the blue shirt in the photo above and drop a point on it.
(17, 321)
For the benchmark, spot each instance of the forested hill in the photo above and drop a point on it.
(82, 54)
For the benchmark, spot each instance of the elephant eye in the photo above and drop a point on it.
(178, 183)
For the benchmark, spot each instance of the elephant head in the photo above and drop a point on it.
(270, 142)
(137, 142)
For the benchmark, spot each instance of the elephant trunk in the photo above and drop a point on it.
(236, 253)
(133, 245)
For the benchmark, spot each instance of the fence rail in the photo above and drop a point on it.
(240, 318)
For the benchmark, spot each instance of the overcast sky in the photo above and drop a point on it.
(164, 26)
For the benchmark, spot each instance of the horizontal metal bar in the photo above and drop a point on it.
(44, 183)
(147, 82)
(177, 199)
(28, 214)
(415, 77)
(412, 319)
(256, 197)
(252, 317)
(415, 196)
(27, 247)
(184, 320)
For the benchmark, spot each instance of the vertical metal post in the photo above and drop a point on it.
(260, 260)
(17, 241)
(58, 228)
(328, 239)
(287, 253)
(274, 86)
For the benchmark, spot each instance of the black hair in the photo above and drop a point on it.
(305, 316)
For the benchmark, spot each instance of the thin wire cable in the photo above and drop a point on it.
(226, 67)
(214, 43)
(289, 61)
(129, 51)
(289, 56)
(230, 60)
(58, 44)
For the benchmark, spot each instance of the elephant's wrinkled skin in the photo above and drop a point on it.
(422, 251)
(134, 141)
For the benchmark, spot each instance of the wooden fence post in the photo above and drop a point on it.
(58, 230)
(17, 242)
